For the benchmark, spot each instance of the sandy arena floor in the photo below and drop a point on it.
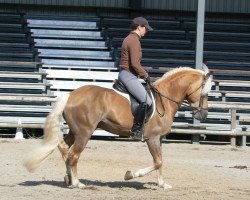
(194, 171)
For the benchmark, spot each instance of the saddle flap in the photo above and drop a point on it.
(118, 85)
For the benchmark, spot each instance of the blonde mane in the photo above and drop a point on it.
(176, 70)
(168, 74)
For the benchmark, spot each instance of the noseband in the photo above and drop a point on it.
(196, 110)
(200, 110)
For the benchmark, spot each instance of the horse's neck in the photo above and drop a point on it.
(173, 89)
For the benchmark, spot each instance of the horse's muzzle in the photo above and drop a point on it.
(200, 114)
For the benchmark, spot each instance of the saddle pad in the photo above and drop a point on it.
(127, 96)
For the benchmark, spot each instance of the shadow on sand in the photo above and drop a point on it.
(90, 184)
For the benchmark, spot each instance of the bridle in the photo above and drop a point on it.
(196, 110)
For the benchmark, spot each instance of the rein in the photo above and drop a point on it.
(157, 92)
(185, 104)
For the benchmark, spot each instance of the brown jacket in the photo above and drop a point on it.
(131, 55)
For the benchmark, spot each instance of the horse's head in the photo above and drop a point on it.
(197, 94)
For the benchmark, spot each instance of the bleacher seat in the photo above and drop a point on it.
(78, 64)
(227, 65)
(21, 76)
(85, 55)
(74, 53)
(159, 34)
(218, 26)
(61, 24)
(74, 44)
(157, 43)
(221, 36)
(156, 24)
(20, 66)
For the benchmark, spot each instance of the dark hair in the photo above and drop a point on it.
(133, 26)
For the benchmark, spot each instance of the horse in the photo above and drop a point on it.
(90, 107)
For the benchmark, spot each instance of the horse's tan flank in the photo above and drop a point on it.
(90, 107)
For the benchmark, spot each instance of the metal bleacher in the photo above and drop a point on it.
(73, 53)
(24, 92)
(43, 58)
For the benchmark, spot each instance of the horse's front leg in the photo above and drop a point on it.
(130, 174)
(154, 146)
(160, 181)
(157, 154)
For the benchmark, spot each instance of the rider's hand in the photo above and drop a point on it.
(147, 80)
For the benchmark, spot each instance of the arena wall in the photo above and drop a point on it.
(225, 6)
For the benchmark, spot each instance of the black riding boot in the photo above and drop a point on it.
(137, 129)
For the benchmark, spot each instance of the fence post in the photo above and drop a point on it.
(233, 125)
(199, 51)
(241, 140)
(195, 137)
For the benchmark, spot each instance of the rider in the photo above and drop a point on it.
(131, 69)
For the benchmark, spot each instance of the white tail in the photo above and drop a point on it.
(52, 131)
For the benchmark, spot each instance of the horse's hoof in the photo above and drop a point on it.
(167, 186)
(81, 185)
(67, 180)
(78, 185)
(129, 175)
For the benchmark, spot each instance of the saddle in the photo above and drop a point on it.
(118, 85)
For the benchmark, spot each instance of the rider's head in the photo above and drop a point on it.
(140, 26)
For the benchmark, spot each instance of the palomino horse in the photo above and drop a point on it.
(90, 107)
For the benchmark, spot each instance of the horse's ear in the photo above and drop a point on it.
(205, 68)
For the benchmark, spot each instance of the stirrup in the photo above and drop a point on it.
(144, 139)
(138, 138)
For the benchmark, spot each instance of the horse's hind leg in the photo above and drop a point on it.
(80, 142)
(64, 146)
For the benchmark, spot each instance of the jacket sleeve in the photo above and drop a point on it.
(135, 56)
